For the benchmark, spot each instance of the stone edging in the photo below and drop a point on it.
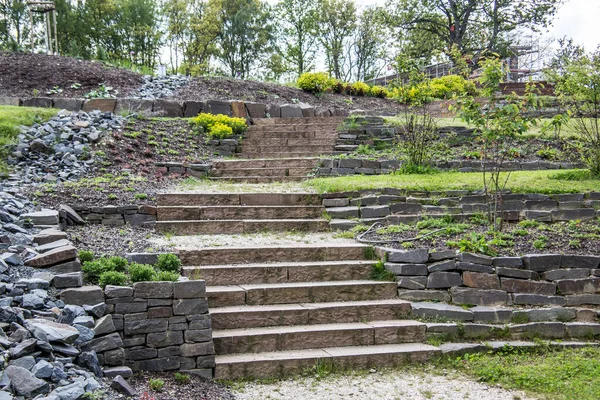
(178, 108)
(118, 215)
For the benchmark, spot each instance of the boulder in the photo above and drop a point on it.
(24, 382)
(53, 257)
(50, 331)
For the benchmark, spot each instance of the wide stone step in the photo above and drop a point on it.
(273, 254)
(282, 154)
(302, 292)
(304, 135)
(259, 179)
(286, 142)
(280, 364)
(281, 273)
(266, 163)
(308, 313)
(299, 337)
(193, 213)
(267, 148)
(256, 172)
(237, 199)
(296, 121)
(240, 226)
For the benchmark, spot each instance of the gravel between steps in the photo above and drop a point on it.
(206, 186)
(250, 240)
(386, 385)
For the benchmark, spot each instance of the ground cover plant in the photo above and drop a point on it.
(551, 374)
(219, 126)
(546, 182)
(477, 236)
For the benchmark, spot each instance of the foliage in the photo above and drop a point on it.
(379, 91)
(497, 124)
(219, 126)
(475, 243)
(315, 82)
(86, 255)
(11, 118)
(336, 22)
(117, 263)
(166, 276)
(156, 384)
(112, 278)
(360, 89)
(141, 272)
(298, 20)
(168, 262)
(103, 92)
(450, 85)
(579, 89)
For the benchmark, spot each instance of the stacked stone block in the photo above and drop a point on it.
(131, 214)
(196, 170)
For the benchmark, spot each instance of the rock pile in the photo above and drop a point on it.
(59, 150)
(157, 87)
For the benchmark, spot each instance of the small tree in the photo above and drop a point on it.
(579, 89)
(498, 121)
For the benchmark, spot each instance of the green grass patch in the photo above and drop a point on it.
(558, 374)
(11, 118)
(519, 182)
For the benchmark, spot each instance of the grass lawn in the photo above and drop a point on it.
(558, 375)
(519, 182)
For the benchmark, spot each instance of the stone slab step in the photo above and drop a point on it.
(259, 179)
(285, 141)
(281, 273)
(266, 163)
(303, 135)
(254, 172)
(193, 213)
(237, 199)
(308, 313)
(282, 154)
(298, 337)
(295, 121)
(240, 226)
(280, 364)
(301, 292)
(273, 254)
(268, 149)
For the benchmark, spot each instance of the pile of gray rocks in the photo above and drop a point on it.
(159, 87)
(59, 150)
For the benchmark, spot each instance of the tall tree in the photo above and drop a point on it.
(14, 24)
(299, 24)
(177, 21)
(337, 22)
(368, 47)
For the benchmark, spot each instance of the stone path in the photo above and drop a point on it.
(385, 385)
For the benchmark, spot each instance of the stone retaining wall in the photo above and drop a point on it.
(359, 166)
(473, 279)
(131, 214)
(399, 206)
(152, 326)
(196, 170)
(178, 108)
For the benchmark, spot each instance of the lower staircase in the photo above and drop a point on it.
(280, 310)
(280, 150)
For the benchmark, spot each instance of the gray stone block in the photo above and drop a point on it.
(192, 108)
(412, 282)
(113, 292)
(475, 258)
(537, 300)
(542, 262)
(542, 216)
(130, 308)
(153, 290)
(10, 101)
(424, 295)
(190, 306)
(541, 205)
(291, 111)
(546, 314)
(571, 273)
(545, 330)
(256, 110)
(273, 111)
(168, 108)
(508, 262)
(579, 261)
(68, 104)
(89, 295)
(73, 279)
(494, 315)
(446, 265)
(480, 280)
(350, 163)
(418, 256)
(443, 280)
(579, 286)
(145, 326)
(442, 255)
(406, 208)
(196, 336)
(517, 273)
(582, 330)
(466, 266)
(583, 299)
(374, 211)
(583, 214)
(438, 310)
(104, 343)
(43, 102)
(336, 202)
(343, 212)
(159, 364)
(134, 106)
(189, 289)
(218, 107)
(478, 297)
(407, 269)
(143, 353)
(197, 349)
(522, 286)
(164, 339)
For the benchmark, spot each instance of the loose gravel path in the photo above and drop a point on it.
(386, 385)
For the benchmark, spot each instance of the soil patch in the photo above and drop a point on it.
(272, 93)
(24, 73)
(114, 241)
(516, 239)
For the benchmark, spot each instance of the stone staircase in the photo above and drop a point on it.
(192, 213)
(280, 310)
(281, 149)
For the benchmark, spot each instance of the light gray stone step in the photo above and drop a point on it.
(279, 364)
(308, 313)
(281, 273)
(302, 292)
(238, 226)
(237, 199)
(282, 154)
(273, 254)
(194, 213)
(298, 337)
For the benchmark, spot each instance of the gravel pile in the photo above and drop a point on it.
(157, 87)
(59, 150)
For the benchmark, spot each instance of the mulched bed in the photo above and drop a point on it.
(516, 239)
(196, 389)
(113, 241)
(271, 93)
(22, 73)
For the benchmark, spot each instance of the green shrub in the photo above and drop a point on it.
(141, 272)
(156, 384)
(166, 276)
(360, 89)
(182, 378)
(449, 85)
(118, 264)
(112, 278)
(168, 262)
(379, 91)
(315, 82)
(337, 86)
(220, 131)
(93, 269)
(86, 255)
